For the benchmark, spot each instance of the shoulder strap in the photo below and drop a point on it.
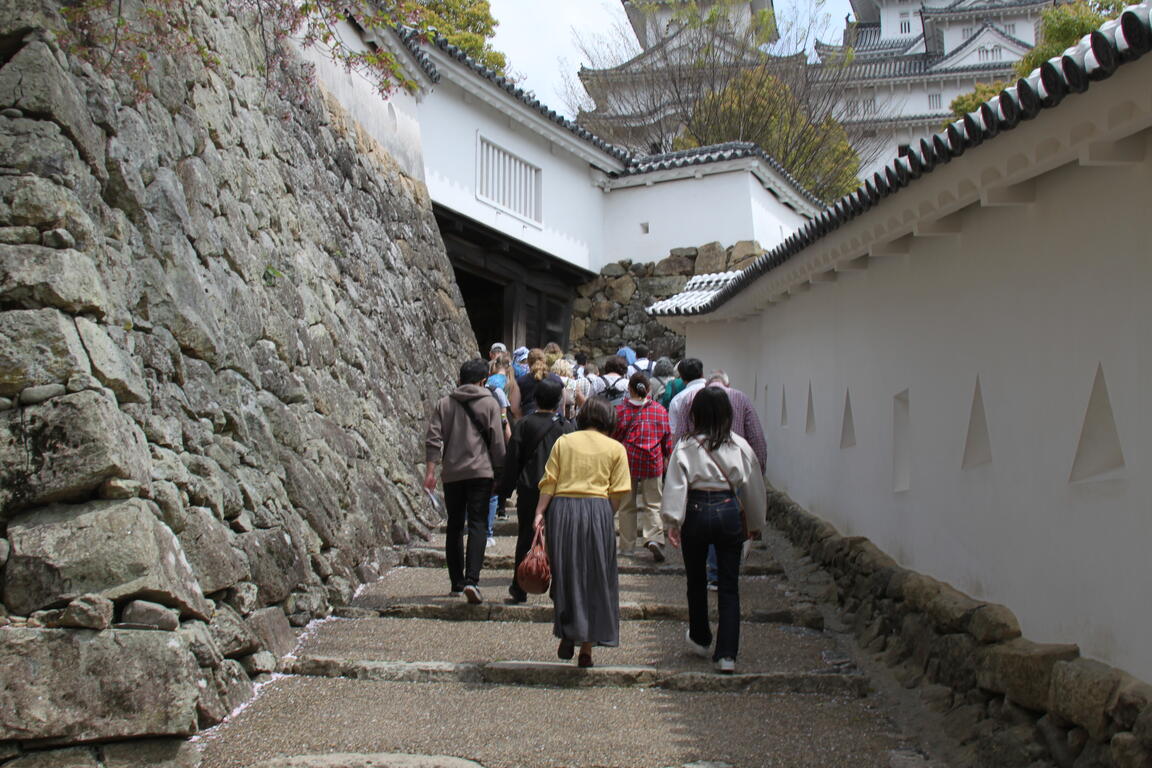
(485, 434)
(735, 495)
(540, 440)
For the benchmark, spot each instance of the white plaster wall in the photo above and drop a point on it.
(1031, 300)
(391, 120)
(724, 207)
(572, 213)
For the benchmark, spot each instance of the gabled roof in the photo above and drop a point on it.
(662, 51)
(718, 153)
(987, 32)
(977, 6)
(633, 164)
(412, 41)
(1095, 57)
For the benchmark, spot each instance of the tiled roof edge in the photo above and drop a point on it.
(1095, 57)
(732, 150)
(412, 41)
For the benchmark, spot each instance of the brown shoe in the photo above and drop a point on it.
(566, 649)
(584, 660)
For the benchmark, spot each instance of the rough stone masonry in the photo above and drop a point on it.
(222, 315)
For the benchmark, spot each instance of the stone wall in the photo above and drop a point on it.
(1011, 702)
(222, 318)
(611, 310)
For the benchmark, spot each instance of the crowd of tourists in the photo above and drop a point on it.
(628, 456)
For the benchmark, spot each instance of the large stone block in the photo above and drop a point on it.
(208, 547)
(65, 448)
(154, 753)
(112, 366)
(73, 757)
(993, 623)
(38, 346)
(117, 549)
(82, 686)
(621, 289)
(1081, 690)
(1022, 670)
(34, 82)
(277, 564)
(711, 258)
(676, 264)
(232, 636)
(33, 277)
(272, 627)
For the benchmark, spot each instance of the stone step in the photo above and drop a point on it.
(540, 613)
(764, 648)
(567, 675)
(530, 727)
(430, 557)
(421, 593)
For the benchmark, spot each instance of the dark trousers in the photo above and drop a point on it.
(712, 518)
(526, 500)
(466, 501)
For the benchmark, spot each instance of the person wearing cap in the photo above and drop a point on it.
(519, 361)
(496, 350)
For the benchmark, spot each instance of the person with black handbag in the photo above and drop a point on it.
(465, 437)
(714, 495)
(532, 441)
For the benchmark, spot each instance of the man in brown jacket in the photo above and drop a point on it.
(465, 436)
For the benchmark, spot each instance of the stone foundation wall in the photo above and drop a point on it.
(611, 310)
(222, 318)
(1010, 701)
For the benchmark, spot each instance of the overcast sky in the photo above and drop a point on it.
(538, 36)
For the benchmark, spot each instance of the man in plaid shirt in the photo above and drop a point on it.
(642, 426)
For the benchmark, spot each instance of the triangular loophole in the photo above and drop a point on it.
(977, 446)
(1098, 451)
(810, 415)
(848, 424)
(783, 407)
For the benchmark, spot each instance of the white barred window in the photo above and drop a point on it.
(507, 181)
(934, 100)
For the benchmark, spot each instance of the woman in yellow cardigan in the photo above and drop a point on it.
(584, 482)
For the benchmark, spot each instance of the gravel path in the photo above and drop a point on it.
(344, 717)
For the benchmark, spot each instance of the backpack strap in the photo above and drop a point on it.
(485, 434)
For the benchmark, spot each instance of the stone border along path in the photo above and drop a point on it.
(410, 678)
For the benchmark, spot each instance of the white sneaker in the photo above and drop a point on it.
(472, 595)
(700, 650)
(726, 666)
(491, 542)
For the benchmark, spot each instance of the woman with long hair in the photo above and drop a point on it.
(713, 496)
(642, 427)
(584, 480)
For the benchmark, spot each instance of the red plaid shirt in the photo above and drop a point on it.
(644, 431)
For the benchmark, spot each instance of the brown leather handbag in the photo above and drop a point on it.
(534, 574)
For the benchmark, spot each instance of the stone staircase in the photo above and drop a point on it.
(407, 675)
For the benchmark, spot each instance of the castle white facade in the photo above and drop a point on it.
(901, 63)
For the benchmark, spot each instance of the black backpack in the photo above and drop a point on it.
(615, 392)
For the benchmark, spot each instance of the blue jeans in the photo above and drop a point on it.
(712, 518)
(493, 503)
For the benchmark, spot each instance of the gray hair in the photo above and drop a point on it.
(718, 376)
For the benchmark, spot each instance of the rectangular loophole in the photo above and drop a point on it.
(901, 443)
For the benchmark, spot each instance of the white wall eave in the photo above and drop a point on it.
(993, 157)
(987, 35)
(451, 69)
(766, 175)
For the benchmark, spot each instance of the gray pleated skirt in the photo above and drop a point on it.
(581, 535)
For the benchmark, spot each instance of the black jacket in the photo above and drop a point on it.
(523, 470)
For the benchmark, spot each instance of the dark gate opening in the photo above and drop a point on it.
(484, 302)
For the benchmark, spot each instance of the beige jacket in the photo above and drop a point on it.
(690, 466)
(454, 441)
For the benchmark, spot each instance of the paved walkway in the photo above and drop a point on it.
(410, 674)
